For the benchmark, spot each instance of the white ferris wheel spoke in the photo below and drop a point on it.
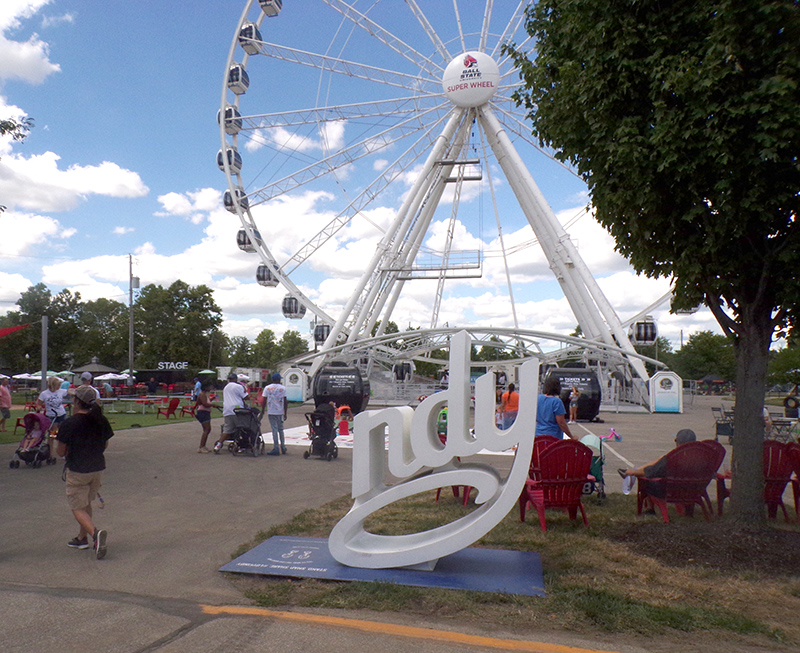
(326, 63)
(346, 156)
(356, 111)
(487, 21)
(503, 250)
(432, 35)
(460, 28)
(502, 63)
(398, 45)
(513, 26)
(515, 124)
(401, 165)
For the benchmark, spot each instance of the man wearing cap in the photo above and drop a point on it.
(81, 440)
(86, 380)
(276, 406)
(654, 469)
(233, 396)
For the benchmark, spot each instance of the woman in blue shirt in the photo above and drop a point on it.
(550, 411)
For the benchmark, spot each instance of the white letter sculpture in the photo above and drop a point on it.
(415, 450)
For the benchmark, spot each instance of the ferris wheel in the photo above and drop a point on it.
(378, 143)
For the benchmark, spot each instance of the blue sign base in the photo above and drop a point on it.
(486, 570)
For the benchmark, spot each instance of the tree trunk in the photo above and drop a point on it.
(752, 354)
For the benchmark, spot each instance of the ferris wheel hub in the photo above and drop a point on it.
(471, 79)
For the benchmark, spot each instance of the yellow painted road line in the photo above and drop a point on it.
(444, 636)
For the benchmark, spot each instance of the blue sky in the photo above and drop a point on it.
(122, 161)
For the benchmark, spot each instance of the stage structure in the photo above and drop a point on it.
(318, 92)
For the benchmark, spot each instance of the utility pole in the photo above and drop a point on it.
(43, 382)
(133, 282)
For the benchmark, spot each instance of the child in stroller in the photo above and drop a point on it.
(322, 433)
(34, 449)
(247, 434)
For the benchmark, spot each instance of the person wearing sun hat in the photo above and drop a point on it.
(81, 440)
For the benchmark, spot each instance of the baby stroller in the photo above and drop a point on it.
(596, 470)
(322, 434)
(246, 436)
(34, 449)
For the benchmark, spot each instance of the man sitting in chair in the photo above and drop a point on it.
(654, 469)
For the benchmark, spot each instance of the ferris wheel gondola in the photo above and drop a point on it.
(644, 332)
(244, 243)
(292, 308)
(241, 200)
(264, 277)
(234, 160)
(321, 333)
(271, 7)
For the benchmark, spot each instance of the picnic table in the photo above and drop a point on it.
(143, 401)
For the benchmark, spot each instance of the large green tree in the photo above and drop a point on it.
(179, 323)
(241, 352)
(291, 344)
(23, 349)
(706, 353)
(265, 349)
(103, 333)
(683, 119)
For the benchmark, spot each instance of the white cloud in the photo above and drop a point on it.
(37, 184)
(191, 205)
(54, 21)
(121, 231)
(11, 287)
(28, 60)
(22, 232)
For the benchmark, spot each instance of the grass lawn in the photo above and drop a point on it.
(622, 574)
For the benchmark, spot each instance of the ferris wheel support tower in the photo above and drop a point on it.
(378, 285)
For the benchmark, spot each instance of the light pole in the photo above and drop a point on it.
(133, 282)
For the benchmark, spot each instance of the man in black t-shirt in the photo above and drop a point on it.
(82, 439)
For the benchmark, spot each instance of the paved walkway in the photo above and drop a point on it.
(174, 517)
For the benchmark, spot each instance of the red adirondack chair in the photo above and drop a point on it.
(779, 463)
(563, 469)
(170, 409)
(188, 410)
(794, 457)
(690, 468)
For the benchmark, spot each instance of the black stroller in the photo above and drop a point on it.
(322, 433)
(246, 437)
(34, 449)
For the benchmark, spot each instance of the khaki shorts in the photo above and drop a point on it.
(229, 425)
(82, 489)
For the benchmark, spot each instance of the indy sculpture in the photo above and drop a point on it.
(417, 455)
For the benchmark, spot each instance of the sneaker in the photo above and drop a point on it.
(274, 452)
(283, 450)
(218, 447)
(100, 544)
(76, 543)
(204, 450)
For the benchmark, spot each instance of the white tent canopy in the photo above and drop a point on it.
(111, 376)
